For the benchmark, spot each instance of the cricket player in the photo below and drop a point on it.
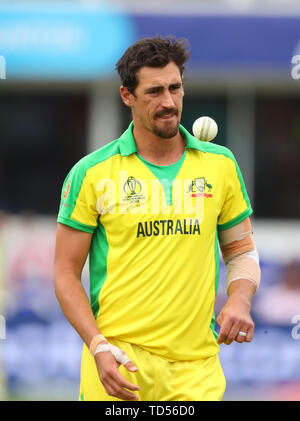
(151, 209)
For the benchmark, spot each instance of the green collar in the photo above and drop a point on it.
(127, 144)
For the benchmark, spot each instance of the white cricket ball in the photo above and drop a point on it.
(205, 128)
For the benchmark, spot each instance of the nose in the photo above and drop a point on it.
(167, 100)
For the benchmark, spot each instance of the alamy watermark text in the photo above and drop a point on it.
(295, 73)
(296, 329)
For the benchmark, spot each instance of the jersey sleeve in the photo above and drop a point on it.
(236, 206)
(78, 201)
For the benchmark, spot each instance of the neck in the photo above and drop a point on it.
(157, 150)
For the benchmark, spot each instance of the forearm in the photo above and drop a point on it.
(241, 260)
(76, 306)
(242, 290)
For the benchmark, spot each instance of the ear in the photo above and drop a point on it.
(126, 96)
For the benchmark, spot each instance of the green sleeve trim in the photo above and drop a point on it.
(212, 326)
(75, 224)
(236, 220)
(98, 277)
(222, 150)
(217, 269)
(217, 262)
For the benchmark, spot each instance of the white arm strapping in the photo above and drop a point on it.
(243, 266)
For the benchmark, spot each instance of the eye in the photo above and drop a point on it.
(175, 87)
(154, 90)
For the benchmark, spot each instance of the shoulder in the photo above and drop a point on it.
(222, 155)
(217, 150)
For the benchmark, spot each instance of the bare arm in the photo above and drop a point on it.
(72, 248)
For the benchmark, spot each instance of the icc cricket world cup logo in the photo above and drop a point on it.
(132, 188)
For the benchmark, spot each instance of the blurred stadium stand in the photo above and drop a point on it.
(60, 101)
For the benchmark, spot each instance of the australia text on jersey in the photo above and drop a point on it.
(168, 227)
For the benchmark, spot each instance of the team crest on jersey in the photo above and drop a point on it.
(200, 187)
(133, 189)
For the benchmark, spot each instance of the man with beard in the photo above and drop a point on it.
(149, 328)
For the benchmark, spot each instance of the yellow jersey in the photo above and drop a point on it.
(154, 256)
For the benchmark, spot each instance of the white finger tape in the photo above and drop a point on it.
(243, 333)
(119, 355)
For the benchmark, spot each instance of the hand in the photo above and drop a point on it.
(234, 318)
(114, 383)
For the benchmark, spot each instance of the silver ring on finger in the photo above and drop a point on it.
(242, 333)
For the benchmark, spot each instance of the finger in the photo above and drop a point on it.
(122, 382)
(219, 319)
(250, 334)
(130, 366)
(124, 394)
(112, 379)
(121, 356)
(224, 331)
(232, 334)
(241, 338)
(115, 390)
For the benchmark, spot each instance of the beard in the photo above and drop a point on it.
(166, 132)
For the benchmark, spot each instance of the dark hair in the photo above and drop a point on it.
(152, 52)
